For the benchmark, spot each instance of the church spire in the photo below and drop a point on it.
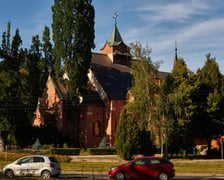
(175, 57)
(115, 48)
(115, 37)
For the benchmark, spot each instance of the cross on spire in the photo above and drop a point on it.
(115, 17)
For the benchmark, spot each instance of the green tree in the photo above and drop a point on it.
(46, 63)
(128, 139)
(176, 104)
(208, 98)
(12, 82)
(47, 48)
(58, 35)
(84, 41)
(141, 112)
(16, 43)
(145, 88)
(73, 35)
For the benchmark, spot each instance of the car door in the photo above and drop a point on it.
(144, 168)
(38, 164)
(23, 166)
(153, 168)
(136, 170)
(18, 166)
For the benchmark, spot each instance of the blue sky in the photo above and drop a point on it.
(196, 25)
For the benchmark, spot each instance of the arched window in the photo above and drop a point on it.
(96, 128)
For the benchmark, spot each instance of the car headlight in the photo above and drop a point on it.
(113, 168)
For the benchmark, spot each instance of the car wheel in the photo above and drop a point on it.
(46, 174)
(9, 173)
(119, 176)
(163, 176)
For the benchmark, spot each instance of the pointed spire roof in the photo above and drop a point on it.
(175, 57)
(115, 38)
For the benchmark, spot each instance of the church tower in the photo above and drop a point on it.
(115, 48)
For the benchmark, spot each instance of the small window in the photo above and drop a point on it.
(96, 128)
(25, 160)
(138, 162)
(146, 162)
(155, 161)
(38, 159)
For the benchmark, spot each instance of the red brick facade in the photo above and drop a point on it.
(93, 120)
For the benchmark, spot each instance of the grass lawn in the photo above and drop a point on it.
(212, 167)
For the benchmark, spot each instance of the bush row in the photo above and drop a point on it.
(65, 151)
(76, 151)
(12, 156)
(62, 154)
(101, 151)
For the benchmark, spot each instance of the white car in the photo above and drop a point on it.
(33, 165)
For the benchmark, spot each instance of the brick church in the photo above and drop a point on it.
(98, 115)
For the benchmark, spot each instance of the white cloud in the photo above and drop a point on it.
(176, 12)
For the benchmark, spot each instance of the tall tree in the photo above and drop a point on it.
(16, 43)
(208, 99)
(141, 113)
(46, 63)
(47, 48)
(12, 98)
(84, 41)
(6, 39)
(177, 105)
(128, 139)
(58, 35)
(145, 87)
(73, 35)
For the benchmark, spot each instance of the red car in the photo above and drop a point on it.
(144, 168)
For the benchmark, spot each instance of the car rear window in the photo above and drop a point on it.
(53, 159)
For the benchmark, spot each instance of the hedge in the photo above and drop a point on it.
(101, 151)
(65, 151)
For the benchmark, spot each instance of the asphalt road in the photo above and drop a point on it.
(105, 177)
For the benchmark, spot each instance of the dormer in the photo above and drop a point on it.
(116, 49)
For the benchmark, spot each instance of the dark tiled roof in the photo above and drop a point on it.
(114, 78)
(114, 81)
